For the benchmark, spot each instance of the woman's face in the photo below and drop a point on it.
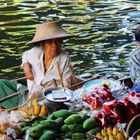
(53, 46)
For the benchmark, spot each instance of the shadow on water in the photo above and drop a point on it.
(103, 30)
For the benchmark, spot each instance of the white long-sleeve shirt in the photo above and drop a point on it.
(34, 56)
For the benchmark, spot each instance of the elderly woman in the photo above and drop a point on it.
(46, 64)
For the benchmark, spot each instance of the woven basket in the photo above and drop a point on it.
(133, 127)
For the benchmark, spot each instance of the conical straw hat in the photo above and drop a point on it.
(49, 30)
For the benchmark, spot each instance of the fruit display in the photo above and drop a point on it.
(61, 124)
(95, 115)
(109, 110)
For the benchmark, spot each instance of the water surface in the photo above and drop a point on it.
(103, 29)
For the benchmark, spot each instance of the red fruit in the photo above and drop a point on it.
(103, 118)
(109, 106)
(132, 93)
(138, 95)
(96, 103)
(131, 107)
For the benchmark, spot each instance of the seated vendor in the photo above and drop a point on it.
(43, 64)
(46, 61)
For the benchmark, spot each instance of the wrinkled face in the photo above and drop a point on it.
(53, 46)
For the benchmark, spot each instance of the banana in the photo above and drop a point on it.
(120, 136)
(115, 131)
(105, 138)
(36, 107)
(43, 111)
(99, 135)
(111, 138)
(109, 131)
(104, 132)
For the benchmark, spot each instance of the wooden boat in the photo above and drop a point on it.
(126, 81)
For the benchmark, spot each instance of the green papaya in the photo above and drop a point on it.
(94, 131)
(76, 128)
(74, 118)
(48, 135)
(50, 117)
(59, 121)
(36, 131)
(49, 123)
(68, 135)
(53, 130)
(90, 123)
(62, 113)
(83, 116)
(79, 136)
(64, 128)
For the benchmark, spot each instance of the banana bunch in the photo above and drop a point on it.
(32, 109)
(39, 110)
(111, 134)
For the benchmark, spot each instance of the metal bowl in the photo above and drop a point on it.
(48, 94)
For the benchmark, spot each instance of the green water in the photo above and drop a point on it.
(103, 28)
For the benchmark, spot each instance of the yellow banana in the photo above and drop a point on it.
(115, 131)
(43, 111)
(99, 135)
(109, 131)
(111, 138)
(120, 136)
(104, 132)
(36, 107)
(105, 138)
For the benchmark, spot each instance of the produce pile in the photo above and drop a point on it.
(61, 124)
(97, 115)
(109, 110)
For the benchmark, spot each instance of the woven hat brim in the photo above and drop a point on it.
(62, 37)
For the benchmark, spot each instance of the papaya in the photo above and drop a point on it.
(67, 135)
(74, 118)
(83, 116)
(65, 128)
(90, 123)
(48, 135)
(62, 113)
(49, 123)
(76, 128)
(53, 130)
(59, 122)
(79, 136)
(94, 131)
(50, 117)
(36, 130)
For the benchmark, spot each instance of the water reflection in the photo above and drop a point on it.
(103, 31)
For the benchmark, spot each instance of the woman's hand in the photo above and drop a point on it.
(28, 71)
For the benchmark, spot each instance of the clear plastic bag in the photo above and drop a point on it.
(23, 95)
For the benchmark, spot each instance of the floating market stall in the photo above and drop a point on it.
(98, 109)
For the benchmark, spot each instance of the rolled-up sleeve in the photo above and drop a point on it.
(25, 58)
